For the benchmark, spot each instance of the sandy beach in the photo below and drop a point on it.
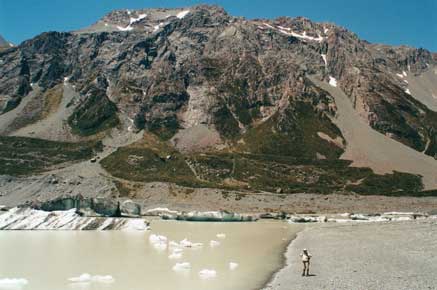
(396, 255)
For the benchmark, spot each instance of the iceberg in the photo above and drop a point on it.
(175, 255)
(213, 243)
(233, 266)
(87, 278)
(158, 242)
(182, 267)
(221, 236)
(13, 283)
(207, 274)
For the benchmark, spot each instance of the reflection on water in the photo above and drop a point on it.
(233, 256)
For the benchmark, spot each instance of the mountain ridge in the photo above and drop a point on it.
(211, 100)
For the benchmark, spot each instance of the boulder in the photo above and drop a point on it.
(130, 208)
(106, 206)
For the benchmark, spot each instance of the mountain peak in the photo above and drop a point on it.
(4, 43)
(153, 19)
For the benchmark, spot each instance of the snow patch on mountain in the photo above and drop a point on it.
(132, 21)
(182, 14)
(332, 81)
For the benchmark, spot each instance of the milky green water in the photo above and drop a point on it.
(48, 258)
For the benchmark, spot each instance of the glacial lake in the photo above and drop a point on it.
(48, 259)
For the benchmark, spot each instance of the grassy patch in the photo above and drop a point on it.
(294, 136)
(388, 184)
(23, 156)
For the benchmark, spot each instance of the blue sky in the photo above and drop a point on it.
(409, 22)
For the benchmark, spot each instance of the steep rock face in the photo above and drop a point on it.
(227, 83)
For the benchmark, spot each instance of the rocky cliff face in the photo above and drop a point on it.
(224, 101)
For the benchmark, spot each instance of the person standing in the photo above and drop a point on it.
(306, 257)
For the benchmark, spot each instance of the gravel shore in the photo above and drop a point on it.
(397, 255)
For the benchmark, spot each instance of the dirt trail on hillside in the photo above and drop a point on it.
(369, 148)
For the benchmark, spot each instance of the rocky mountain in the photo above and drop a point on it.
(202, 99)
(4, 43)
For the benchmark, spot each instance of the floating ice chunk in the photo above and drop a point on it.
(221, 236)
(213, 243)
(233, 266)
(207, 274)
(81, 279)
(175, 255)
(158, 242)
(188, 244)
(408, 91)
(175, 246)
(13, 283)
(182, 14)
(135, 224)
(103, 279)
(332, 81)
(181, 267)
(86, 278)
(157, 239)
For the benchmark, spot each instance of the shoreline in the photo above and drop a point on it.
(385, 255)
(284, 261)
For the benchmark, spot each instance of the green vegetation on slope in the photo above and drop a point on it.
(23, 156)
(294, 135)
